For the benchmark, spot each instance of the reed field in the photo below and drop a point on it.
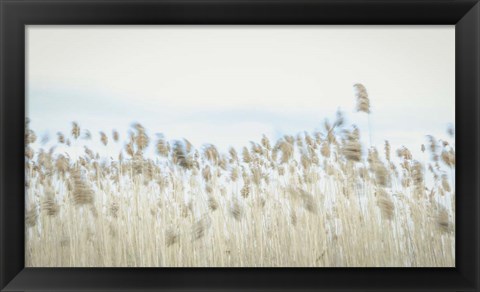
(315, 199)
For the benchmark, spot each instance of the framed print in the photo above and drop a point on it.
(240, 145)
(262, 161)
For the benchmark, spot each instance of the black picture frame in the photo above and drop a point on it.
(15, 14)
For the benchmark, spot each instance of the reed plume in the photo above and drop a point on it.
(305, 199)
(82, 192)
(75, 130)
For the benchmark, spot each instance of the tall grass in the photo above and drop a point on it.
(311, 200)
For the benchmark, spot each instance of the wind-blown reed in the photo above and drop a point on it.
(315, 199)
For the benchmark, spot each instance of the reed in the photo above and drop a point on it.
(314, 199)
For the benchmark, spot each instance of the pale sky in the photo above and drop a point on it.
(228, 85)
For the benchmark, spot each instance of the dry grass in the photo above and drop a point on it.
(316, 199)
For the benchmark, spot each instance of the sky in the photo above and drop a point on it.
(228, 85)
